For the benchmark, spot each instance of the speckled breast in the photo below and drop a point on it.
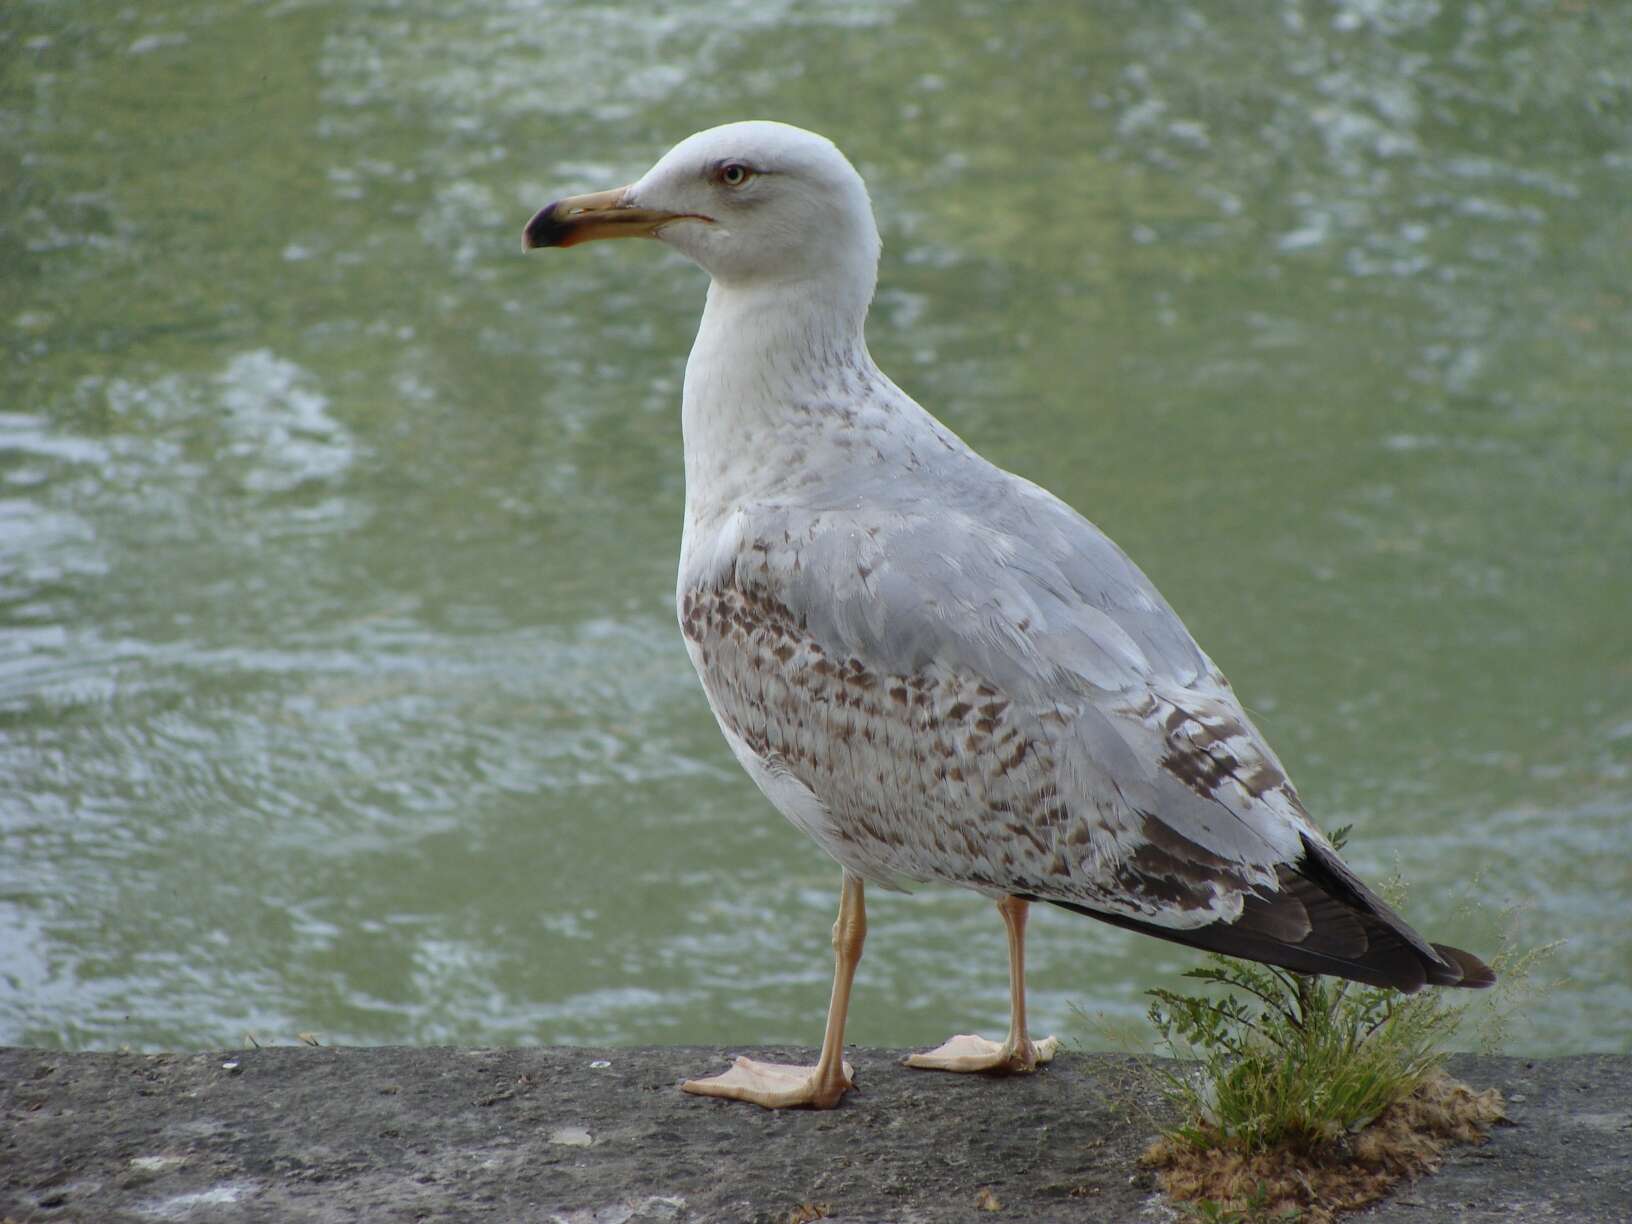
(930, 776)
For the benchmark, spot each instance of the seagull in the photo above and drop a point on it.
(935, 668)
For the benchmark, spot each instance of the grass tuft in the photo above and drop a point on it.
(1287, 1060)
(1301, 1097)
(1228, 1183)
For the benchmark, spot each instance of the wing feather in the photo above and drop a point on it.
(998, 697)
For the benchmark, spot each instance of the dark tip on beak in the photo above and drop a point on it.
(583, 218)
(588, 218)
(544, 230)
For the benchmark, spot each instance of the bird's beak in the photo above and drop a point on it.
(602, 214)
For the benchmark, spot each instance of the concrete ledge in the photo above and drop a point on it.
(603, 1137)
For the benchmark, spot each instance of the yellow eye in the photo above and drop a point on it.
(734, 174)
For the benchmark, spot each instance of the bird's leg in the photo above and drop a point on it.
(785, 1085)
(1018, 1054)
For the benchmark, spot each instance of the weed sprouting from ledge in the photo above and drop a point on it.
(1287, 1059)
(1298, 1097)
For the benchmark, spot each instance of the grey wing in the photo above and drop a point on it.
(1142, 785)
(995, 695)
(1012, 580)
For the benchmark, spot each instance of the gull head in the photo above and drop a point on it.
(755, 204)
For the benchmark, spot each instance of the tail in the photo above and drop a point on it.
(1322, 919)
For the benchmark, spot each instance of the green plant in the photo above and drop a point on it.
(1289, 1060)
(1303, 1097)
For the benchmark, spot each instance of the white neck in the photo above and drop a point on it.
(776, 370)
(784, 407)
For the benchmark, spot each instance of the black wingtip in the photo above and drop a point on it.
(1469, 970)
(1322, 919)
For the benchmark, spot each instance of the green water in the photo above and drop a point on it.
(339, 685)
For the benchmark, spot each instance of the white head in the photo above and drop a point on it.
(755, 204)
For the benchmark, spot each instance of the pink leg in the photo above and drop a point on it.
(1018, 1054)
(786, 1086)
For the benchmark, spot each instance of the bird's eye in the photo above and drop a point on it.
(734, 174)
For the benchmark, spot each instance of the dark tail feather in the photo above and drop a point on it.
(1322, 919)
